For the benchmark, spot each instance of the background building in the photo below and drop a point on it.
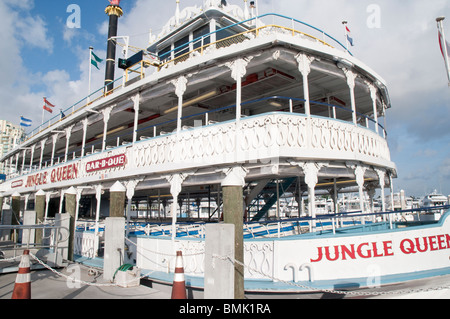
(10, 137)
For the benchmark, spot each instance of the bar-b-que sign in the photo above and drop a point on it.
(106, 163)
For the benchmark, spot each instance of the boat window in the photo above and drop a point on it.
(182, 46)
(223, 34)
(199, 33)
(164, 54)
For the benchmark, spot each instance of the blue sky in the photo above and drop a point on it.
(41, 56)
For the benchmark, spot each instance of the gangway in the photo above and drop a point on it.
(283, 186)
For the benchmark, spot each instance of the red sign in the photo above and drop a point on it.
(16, 184)
(106, 163)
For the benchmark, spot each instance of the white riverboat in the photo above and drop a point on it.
(269, 102)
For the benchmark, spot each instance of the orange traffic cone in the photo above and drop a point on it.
(179, 284)
(22, 287)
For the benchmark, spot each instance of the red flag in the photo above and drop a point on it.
(346, 28)
(48, 109)
(441, 39)
(48, 103)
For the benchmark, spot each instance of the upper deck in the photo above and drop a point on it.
(244, 92)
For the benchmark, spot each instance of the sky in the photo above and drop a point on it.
(44, 51)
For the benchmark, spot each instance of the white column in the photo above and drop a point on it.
(106, 115)
(381, 176)
(175, 188)
(238, 71)
(83, 143)
(47, 200)
(351, 77)
(26, 197)
(68, 131)
(42, 152)
(373, 96)
(304, 66)
(212, 28)
(130, 186)
(62, 192)
(77, 207)
(359, 174)
(391, 185)
(24, 154)
(180, 87)
(311, 171)
(17, 161)
(98, 197)
(33, 147)
(136, 103)
(54, 139)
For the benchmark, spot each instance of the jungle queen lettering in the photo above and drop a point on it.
(369, 250)
(58, 174)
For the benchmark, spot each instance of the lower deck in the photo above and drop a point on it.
(284, 257)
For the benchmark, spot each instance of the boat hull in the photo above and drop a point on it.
(360, 257)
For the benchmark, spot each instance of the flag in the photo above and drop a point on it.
(441, 40)
(95, 59)
(48, 103)
(48, 109)
(46, 106)
(350, 40)
(62, 114)
(25, 122)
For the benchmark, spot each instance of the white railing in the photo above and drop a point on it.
(86, 244)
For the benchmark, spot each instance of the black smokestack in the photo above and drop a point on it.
(114, 11)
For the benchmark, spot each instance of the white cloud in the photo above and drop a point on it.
(33, 31)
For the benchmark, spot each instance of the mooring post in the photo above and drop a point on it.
(1, 209)
(219, 268)
(39, 205)
(114, 246)
(233, 212)
(71, 206)
(117, 200)
(15, 218)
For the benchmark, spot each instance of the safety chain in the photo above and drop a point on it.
(82, 282)
(353, 293)
(11, 258)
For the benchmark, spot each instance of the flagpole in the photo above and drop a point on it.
(443, 40)
(90, 72)
(43, 113)
(344, 23)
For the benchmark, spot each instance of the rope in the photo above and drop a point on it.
(82, 282)
(10, 259)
